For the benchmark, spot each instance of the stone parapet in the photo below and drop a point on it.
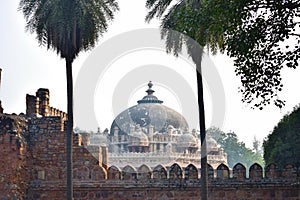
(175, 186)
(39, 105)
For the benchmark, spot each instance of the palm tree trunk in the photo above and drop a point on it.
(69, 129)
(204, 179)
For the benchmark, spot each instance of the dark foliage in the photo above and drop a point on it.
(282, 145)
(262, 36)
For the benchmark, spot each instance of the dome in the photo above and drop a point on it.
(187, 140)
(148, 111)
(212, 144)
(138, 138)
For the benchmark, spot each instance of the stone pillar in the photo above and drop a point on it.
(56, 112)
(85, 139)
(43, 95)
(194, 133)
(115, 138)
(51, 111)
(32, 105)
(116, 131)
(104, 151)
(77, 139)
(151, 129)
(132, 128)
(170, 129)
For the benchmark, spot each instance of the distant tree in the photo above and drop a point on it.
(216, 134)
(282, 145)
(236, 151)
(256, 145)
(68, 27)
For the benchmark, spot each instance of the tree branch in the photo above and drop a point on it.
(294, 34)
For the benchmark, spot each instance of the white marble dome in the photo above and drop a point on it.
(148, 111)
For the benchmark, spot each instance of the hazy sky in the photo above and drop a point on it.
(27, 67)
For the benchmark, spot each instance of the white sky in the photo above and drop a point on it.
(27, 67)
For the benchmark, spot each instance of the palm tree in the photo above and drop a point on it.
(68, 27)
(184, 17)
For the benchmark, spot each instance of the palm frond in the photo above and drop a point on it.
(68, 26)
(157, 8)
(186, 18)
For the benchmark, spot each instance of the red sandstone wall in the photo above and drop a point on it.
(47, 160)
(13, 176)
(42, 168)
(116, 190)
(12, 168)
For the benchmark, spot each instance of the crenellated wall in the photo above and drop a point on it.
(173, 182)
(33, 152)
(39, 105)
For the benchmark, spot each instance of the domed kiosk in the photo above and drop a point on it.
(138, 141)
(187, 143)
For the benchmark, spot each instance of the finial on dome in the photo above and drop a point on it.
(150, 91)
(150, 98)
